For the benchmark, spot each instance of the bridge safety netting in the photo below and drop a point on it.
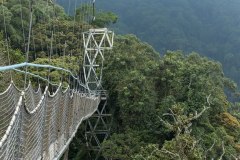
(47, 96)
(36, 125)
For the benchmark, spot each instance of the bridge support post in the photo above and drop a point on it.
(98, 128)
(96, 41)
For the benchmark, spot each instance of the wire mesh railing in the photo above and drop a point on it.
(41, 124)
(36, 125)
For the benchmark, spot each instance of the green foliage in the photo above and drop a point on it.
(104, 19)
(207, 27)
(144, 87)
(56, 76)
(190, 79)
(8, 56)
(53, 32)
(183, 147)
(123, 146)
(170, 107)
(128, 79)
(65, 38)
(84, 13)
(15, 18)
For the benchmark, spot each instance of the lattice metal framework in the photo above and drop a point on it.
(98, 128)
(41, 125)
(96, 41)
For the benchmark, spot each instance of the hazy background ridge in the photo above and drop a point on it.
(210, 27)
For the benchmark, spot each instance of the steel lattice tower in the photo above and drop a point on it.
(97, 128)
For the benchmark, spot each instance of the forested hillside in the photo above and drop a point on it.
(211, 28)
(169, 107)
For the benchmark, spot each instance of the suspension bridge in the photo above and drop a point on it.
(40, 119)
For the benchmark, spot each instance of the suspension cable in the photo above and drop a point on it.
(30, 30)
(93, 11)
(29, 39)
(6, 40)
(23, 30)
(49, 57)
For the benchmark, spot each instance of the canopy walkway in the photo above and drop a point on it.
(39, 124)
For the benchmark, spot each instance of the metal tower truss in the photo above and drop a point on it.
(98, 128)
(96, 41)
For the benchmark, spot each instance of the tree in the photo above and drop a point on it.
(104, 19)
(180, 102)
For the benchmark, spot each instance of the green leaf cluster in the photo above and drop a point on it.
(175, 104)
(169, 107)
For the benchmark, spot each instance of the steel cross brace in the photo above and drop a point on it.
(96, 41)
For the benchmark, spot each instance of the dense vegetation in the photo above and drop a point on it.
(54, 34)
(170, 107)
(209, 27)
(165, 107)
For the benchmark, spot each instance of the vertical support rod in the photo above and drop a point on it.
(29, 39)
(93, 10)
